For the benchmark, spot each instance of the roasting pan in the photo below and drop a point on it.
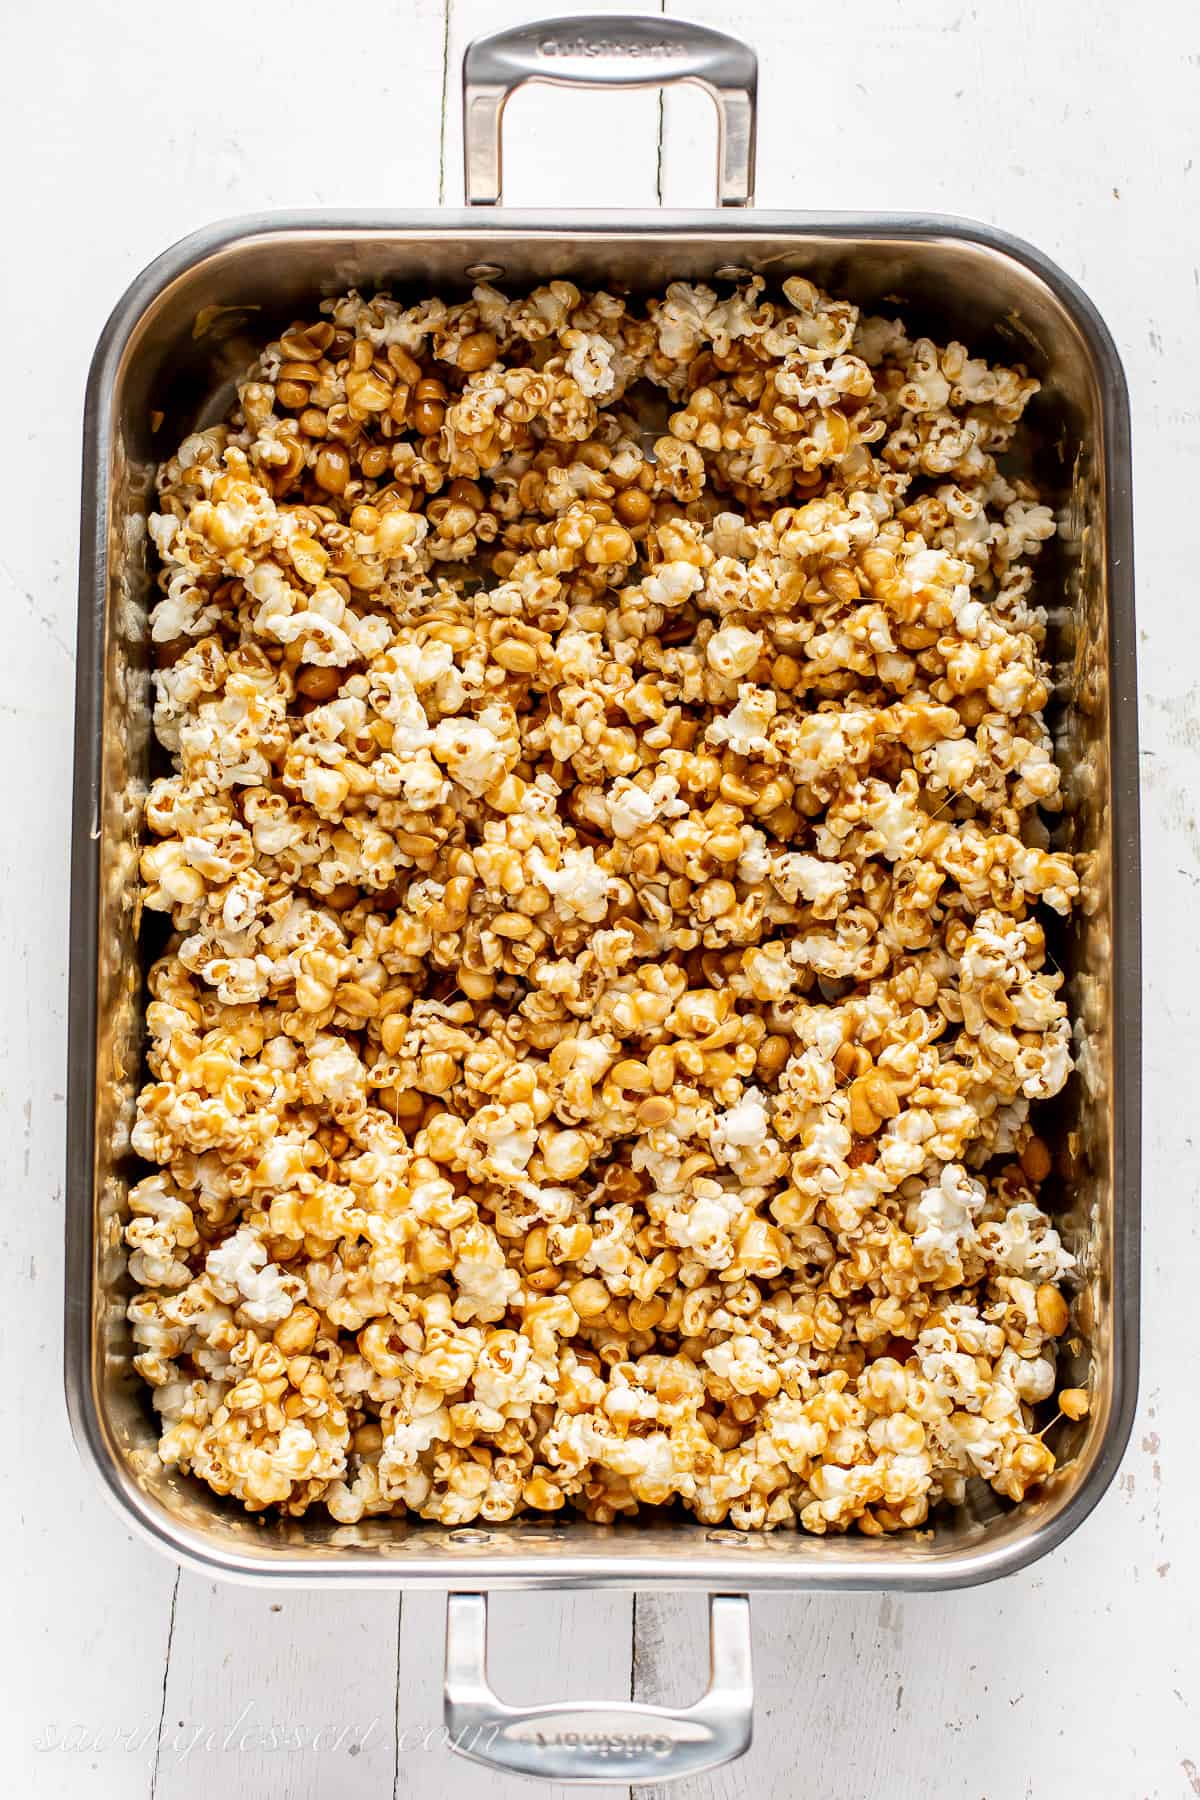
(166, 362)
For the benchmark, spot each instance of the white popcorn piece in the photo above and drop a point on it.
(241, 1275)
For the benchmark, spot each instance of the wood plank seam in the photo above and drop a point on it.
(166, 1675)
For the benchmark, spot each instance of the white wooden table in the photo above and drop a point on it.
(126, 124)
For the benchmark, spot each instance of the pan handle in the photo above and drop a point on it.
(633, 51)
(600, 1740)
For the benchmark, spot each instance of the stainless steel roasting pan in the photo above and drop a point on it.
(167, 360)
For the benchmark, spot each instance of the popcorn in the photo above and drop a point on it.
(946, 1213)
(733, 651)
(471, 752)
(631, 807)
(745, 728)
(240, 1274)
(593, 1063)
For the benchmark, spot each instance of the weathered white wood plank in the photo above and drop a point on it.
(276, 1692)
(541, 1647)
(1003, 1691)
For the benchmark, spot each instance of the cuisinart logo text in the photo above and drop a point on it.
(580, 46)
(607, 1743)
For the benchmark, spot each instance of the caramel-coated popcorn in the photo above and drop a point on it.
(593, 1060)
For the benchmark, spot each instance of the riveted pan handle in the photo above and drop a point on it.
(634, 51)
(600, 1740)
